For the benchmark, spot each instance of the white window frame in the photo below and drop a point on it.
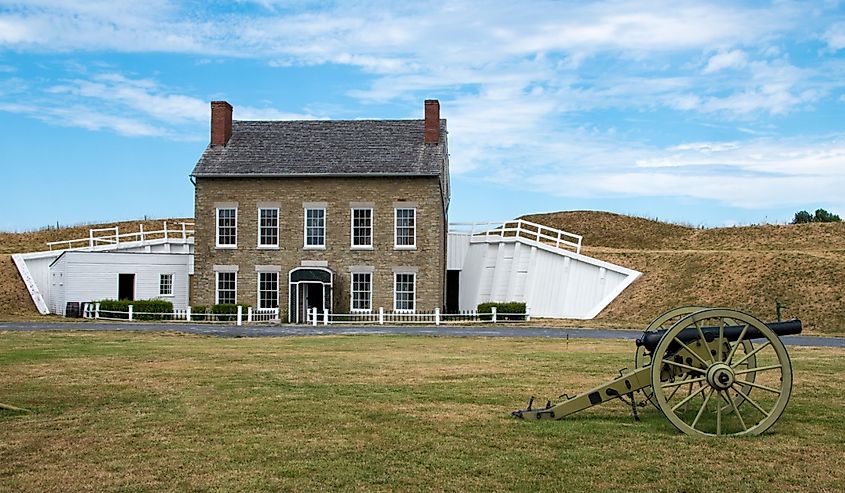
(352, 244)
(269, 246)
(396, 244)
(258, 288)
(352, 308)
(396, 308)
(217, 228)
(217, 286)
(305, 244)
(161, 284)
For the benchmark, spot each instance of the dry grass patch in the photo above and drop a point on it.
(141, 412)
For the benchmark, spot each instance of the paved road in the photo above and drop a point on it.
(299, 330)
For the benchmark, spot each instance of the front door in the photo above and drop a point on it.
(126, 287)
(313, 296)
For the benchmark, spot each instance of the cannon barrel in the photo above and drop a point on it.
(789, 327)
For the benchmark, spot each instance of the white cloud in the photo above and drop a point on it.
(835, 36)
(725, 60)
(755, 174)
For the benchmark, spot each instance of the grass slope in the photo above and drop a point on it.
(159, 412)
(742, 267)
(15, 301)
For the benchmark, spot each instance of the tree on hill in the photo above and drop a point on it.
(821, 216)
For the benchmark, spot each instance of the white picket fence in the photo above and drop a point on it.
(314, 317)
(258, 315)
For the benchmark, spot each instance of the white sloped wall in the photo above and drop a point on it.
(552, 282)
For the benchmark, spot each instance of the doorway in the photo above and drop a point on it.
(453, 291)
(312, 295)
(126, 287)
(310, 287)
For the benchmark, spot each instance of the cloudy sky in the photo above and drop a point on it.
(706, 113)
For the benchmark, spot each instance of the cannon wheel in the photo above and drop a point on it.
(665, 321)
(711, 410)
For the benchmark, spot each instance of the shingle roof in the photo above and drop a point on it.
(333, 147)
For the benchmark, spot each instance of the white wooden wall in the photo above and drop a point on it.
(89, 276)
(552, 282)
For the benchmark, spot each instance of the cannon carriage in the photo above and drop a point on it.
(710, 371)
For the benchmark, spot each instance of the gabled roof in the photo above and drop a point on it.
(332, 147)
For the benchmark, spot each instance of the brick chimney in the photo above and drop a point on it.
(432, 121)
(221, 122)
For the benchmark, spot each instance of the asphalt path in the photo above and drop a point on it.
(432, 331)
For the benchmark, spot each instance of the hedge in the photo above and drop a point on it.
(199, 312)
(503, 309)
(141, 309)
(228, 312)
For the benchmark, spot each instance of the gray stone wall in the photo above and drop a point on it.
(429, 258)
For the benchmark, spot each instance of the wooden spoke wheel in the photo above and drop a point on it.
(705, 392)
(664, 321)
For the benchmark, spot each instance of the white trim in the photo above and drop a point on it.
(352, 244)
(352, 308)
(395, 308)
(217, 286)
(170, 294)
(261, 246)
(258, 287)
(305, 245)
(217, 228)
(396, 246)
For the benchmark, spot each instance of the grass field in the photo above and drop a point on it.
(140, 412)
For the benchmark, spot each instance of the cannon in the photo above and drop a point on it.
(710, 371)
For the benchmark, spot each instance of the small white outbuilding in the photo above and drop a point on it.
(81, 276)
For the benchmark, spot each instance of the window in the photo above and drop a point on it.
(226, 288)
(268, 289)
(227, 228)
(404, 292)
(362, 228)
(362, 292)
(165, 285)
(268, 228)
(406, 229)
(315, 228)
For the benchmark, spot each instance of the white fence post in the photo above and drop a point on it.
(96, 310)
(142, 232)
(249, 315)
(165, 230)
(381, 315)
(314, 315)
(188, 314)
(325, 316)
(493, 310)
(240, 315)
(130, 313)
(437, 316)
(527, 314)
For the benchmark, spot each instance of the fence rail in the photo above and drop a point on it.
(519, 228)
(381, 317)
(115, 237)
(250, 315)
(313, 317)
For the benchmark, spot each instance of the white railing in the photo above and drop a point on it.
(381, 317)
(249, 316)
(519, 228)
(113, 236)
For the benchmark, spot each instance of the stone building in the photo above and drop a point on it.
(345, 215)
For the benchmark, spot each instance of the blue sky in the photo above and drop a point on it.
(706, 113)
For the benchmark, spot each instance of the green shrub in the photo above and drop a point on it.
(821, 216)
(228, 312)
(141, 309)
(504, 309)
(199, 312)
